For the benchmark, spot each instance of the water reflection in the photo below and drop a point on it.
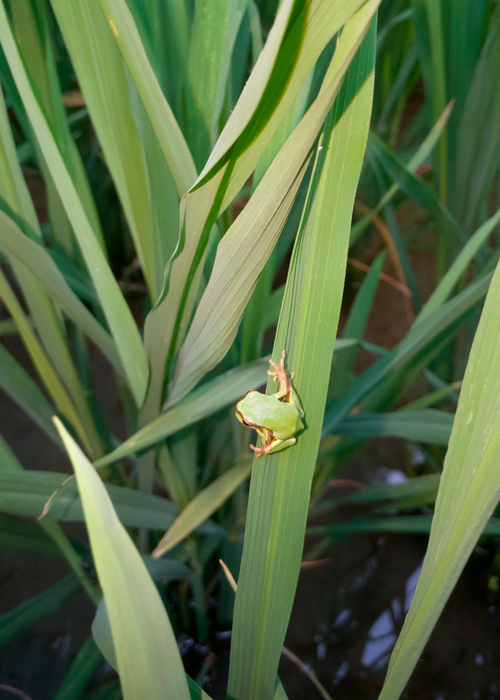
(383, 634)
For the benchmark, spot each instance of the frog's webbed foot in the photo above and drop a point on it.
(280, 375)
(259, 451)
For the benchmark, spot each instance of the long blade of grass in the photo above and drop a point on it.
(438, 94)
(289, 54)
(215, 26)
(29, 611)
(101, 632)
(43, 268)
(207, 399)
(44, 313)
(46, 370)
(22, 389)
(141, 630)
(426, 425)
(31, 26)
(458, 267)
(355, 326)
(434, 330)
(81, 671)
(281, 483)
(415, 187)
(118, 315)
(103, 81)
(415, 161)
(253, 235)
(468, 494)
(414, 524)
(417, 486)
(170, 138)
(203, 505)
(478, 148)
(465, 41)
(20, 535)
(26, 493)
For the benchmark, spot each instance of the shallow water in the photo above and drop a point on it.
(348, 613)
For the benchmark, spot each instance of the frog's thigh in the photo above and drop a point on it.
(278, 445)
(265, 434)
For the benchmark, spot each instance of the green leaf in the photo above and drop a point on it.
(415, 187)
(459, 266)
(433, 330)
(215, 25)
(31, 27)
(281, 483)
(22, 389)
(44, 314)
(414, 524)
(438, 93)
(426, 425)
(23, 536)
(140, 627)
(290, 53)
(28, 612)
(203, 505)
(207, 399)
(468, 494)
(118, 315)
(80, 672)
(8, 327)
(103, 81)
(170, 138)
(478, 147)
(420, 157)
(381, 492)
(46, 370)
(43, 268)
(111, 691)
(101, 632)
(355, 326)
(27, 492)
(253, 235)
(8, 460)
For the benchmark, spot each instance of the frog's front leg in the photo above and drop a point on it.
(274, 446)
(280, 375)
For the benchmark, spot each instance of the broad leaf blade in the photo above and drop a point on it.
(43, 268)
(426, 425)
(103, 80)
(209, 398)
(215, 26)
(167, 130)
(468, 493)
(118, 315)
(16, 382)
(281, 483)
(142, 633)
(26, 492)
(203, 505)
(246, 247)
(289, 54)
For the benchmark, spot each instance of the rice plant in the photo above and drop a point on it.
(201, 163)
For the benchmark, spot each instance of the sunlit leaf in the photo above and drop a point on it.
(142, 634)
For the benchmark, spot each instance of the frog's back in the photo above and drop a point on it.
(282, 418)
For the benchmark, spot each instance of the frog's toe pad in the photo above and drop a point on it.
(258, 450)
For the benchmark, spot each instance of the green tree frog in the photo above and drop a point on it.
(275, 417)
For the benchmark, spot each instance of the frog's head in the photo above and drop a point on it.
(242, 409)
